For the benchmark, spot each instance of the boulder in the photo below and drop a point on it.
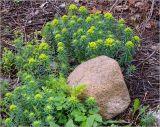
(104, 80)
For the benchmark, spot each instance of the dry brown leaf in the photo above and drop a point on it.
(103, 2)
(94, 10)
(139, 4)
(120, 8)
(132, 2)
(135, 17)
(148, 25)
(142, 6)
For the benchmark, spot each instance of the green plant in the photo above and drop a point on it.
(43, 98)
(116, 123)
(4, 86)
(54, 103)
(136, 105)
(146, 119)
(7, 61)
(17, 1)
(131, 69)
(79, 36)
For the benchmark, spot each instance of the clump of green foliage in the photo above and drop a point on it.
(43, 98)
(7, 61)
(80, 36)
(146, 119)
(52, 104)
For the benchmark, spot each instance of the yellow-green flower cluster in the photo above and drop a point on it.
(83, 10)
(49, 118)
(128, 30)
(79, 20)
(38, 97)
(48, 108)
(129, 44)
(43, 46)
(74, 17)
(55, 22)
(73, 99)
(64, 30)
(73, 8)
(99, 41)
(91, 100)
(58, 37)
(43, 57)
(36, 123)
(12, 107)
(72, 23)
(110, 42)
(136, 38)
(60, 49)
(88, 19)
(31, 61)
(91, 30)
(8, 95)
(64, 18)
(60, 46)
(121, 25)
(75, 34)
(80, 31)
(92, 45)
(121, 21)
(8, 121)
(31, 115)
(108, 16)
(97, 13)
(83, 38)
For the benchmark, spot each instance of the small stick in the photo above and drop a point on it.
(9, 46)
(150, 15)
(113, 5)
(147, 58)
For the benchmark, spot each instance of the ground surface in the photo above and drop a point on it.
(142, 15)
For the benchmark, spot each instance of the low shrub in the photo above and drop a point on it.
(80, 36)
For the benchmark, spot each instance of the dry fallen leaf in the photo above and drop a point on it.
(94, 10)
(103, 2)
(120, 8)
(132, 2)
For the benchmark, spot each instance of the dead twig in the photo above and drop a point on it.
(149, 17)
(147, 57)
(9, 46)
(116, 2)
